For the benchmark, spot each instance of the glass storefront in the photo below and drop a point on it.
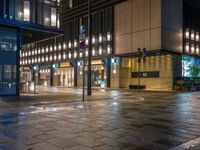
(98, 76)
(42, 12)
(44, 77)
(65, 76)
(8, 58)
(187, 63)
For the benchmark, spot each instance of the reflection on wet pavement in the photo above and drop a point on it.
(110, 119)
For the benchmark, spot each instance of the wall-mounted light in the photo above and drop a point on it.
(42, 49)
(93, 51)
(100, 38)
(64, 56)
(55, 47)
(51, 48)
(113, 60)
(55, 57)
(51, 57)
(47, 58)
(114, 71)
(86, 52)
(59, 47)
(39, 51)
(75, 43)
(100, 50)
(197, 36)
(75, 54)
(108, 49)
(86, 41)
(42, 58)
(108, 36)
(93, 40)
(192, 48)
(81, 54)
(35, 59)
(64, 45)
(70, 44)
(47, 49)
(187, 33)
(70, 55)
(59, 56)
(192, 35)
(187, 47)
(79, 63)
(197, 49)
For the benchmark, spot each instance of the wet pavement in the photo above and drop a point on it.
(56, 119)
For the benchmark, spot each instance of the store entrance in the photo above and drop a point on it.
(97, 75)
(65, 77)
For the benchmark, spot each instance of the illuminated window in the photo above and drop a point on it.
(53, 17)
(26, 11)
(70, 3)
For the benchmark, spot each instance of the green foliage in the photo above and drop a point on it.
(194, 72)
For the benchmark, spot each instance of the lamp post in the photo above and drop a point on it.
(89, 88)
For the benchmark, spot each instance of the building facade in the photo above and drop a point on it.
(21, 22)
(167, 29)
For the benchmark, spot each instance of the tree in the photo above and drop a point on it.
(194, 72)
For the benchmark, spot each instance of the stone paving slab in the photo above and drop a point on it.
(110, 120)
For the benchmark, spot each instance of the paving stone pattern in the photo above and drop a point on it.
(109, 120)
